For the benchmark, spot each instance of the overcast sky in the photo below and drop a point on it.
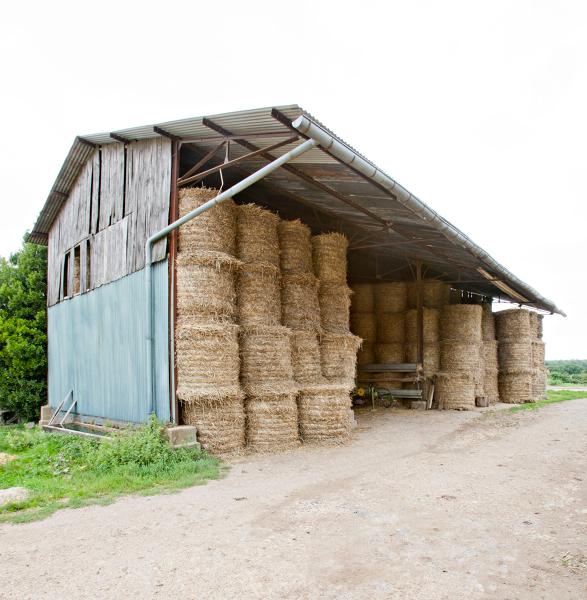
(478, 108)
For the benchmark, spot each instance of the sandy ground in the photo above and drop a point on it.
(421, 505)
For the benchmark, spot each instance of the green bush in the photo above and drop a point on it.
(23, 324)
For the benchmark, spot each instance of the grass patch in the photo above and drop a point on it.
(553, 396)
(67, 471)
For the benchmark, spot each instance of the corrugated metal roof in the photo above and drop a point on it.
(328, 193)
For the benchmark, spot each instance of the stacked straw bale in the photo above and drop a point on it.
(514, 334)
(265, 345)
(390, 302)
(460, 379)
(299, 301)
(207, 352)
(431, 337)
(325, 408)
(363, 320)
(489, 358)
(435, 293)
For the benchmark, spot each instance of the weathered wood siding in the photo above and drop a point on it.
(120, 198)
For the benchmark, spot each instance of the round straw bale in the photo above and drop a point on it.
(431, 356)
(324, 414)
(206, 286)
(305, 356)
(455, 391)
(390, 296)
(212, 231)
(272, 423)
(220, 423)
(266, 365)
(299, 302)
(456, 355)
(537, 354)
(430, 318)
(391, 352)
(362, 301)
(335, 302)
(515, 388)
(515, 355)
(435, 293)
(207, 358)
(259, 295)
(489, 354)
(257, 240)
(539, 327)
(364, 325)
(535, 325)
(391, 327)
(487, 322)
(461, 322)
(366, 354)
(329, 257)
(539, 380)
(513, 323)
(490, 385)
(295, 247)
(338, 355)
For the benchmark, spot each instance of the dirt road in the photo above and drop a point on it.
(421, 505)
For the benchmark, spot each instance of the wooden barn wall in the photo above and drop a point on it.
(120, 198)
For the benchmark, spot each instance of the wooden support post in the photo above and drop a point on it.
(420, 314)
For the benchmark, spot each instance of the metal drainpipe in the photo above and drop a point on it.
(235, 189)
(346, 155)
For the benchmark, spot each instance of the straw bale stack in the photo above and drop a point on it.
(538, 350)
(257, 238)
(487, 322)
(391, 327)
(259, 295)
(365, 326)
(460, 356)
(335, 302)
(272, 422)
(455, 391)
(324, 413)
(431, 356)
(435, 293)
(220, 422)
(362, 298)
(430, 318)
(299, 301)
(390, 352)
(390, 296)
(366, 353)
(213, 230)
(539, 381)
(513, 323)
(296, 247)
(489, 350)
(338, 353)
(461, 322)
(206, 287)
(305, 355)
(490, 385)
(515, 388)
(329, 257)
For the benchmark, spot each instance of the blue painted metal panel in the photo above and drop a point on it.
(97, 347)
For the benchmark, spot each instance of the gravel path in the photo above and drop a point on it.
(421, 505)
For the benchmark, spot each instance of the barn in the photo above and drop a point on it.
(230, 271)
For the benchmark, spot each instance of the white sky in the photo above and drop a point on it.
(477, 108)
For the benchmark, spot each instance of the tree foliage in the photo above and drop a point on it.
(23, 337)
(567, 372)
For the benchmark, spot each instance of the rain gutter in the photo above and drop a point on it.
(346, 155)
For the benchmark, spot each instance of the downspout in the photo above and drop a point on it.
(235, 189)
(348, 156)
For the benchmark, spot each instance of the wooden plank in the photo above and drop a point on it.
(112, 185)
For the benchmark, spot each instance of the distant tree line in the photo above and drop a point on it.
(567, 372)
